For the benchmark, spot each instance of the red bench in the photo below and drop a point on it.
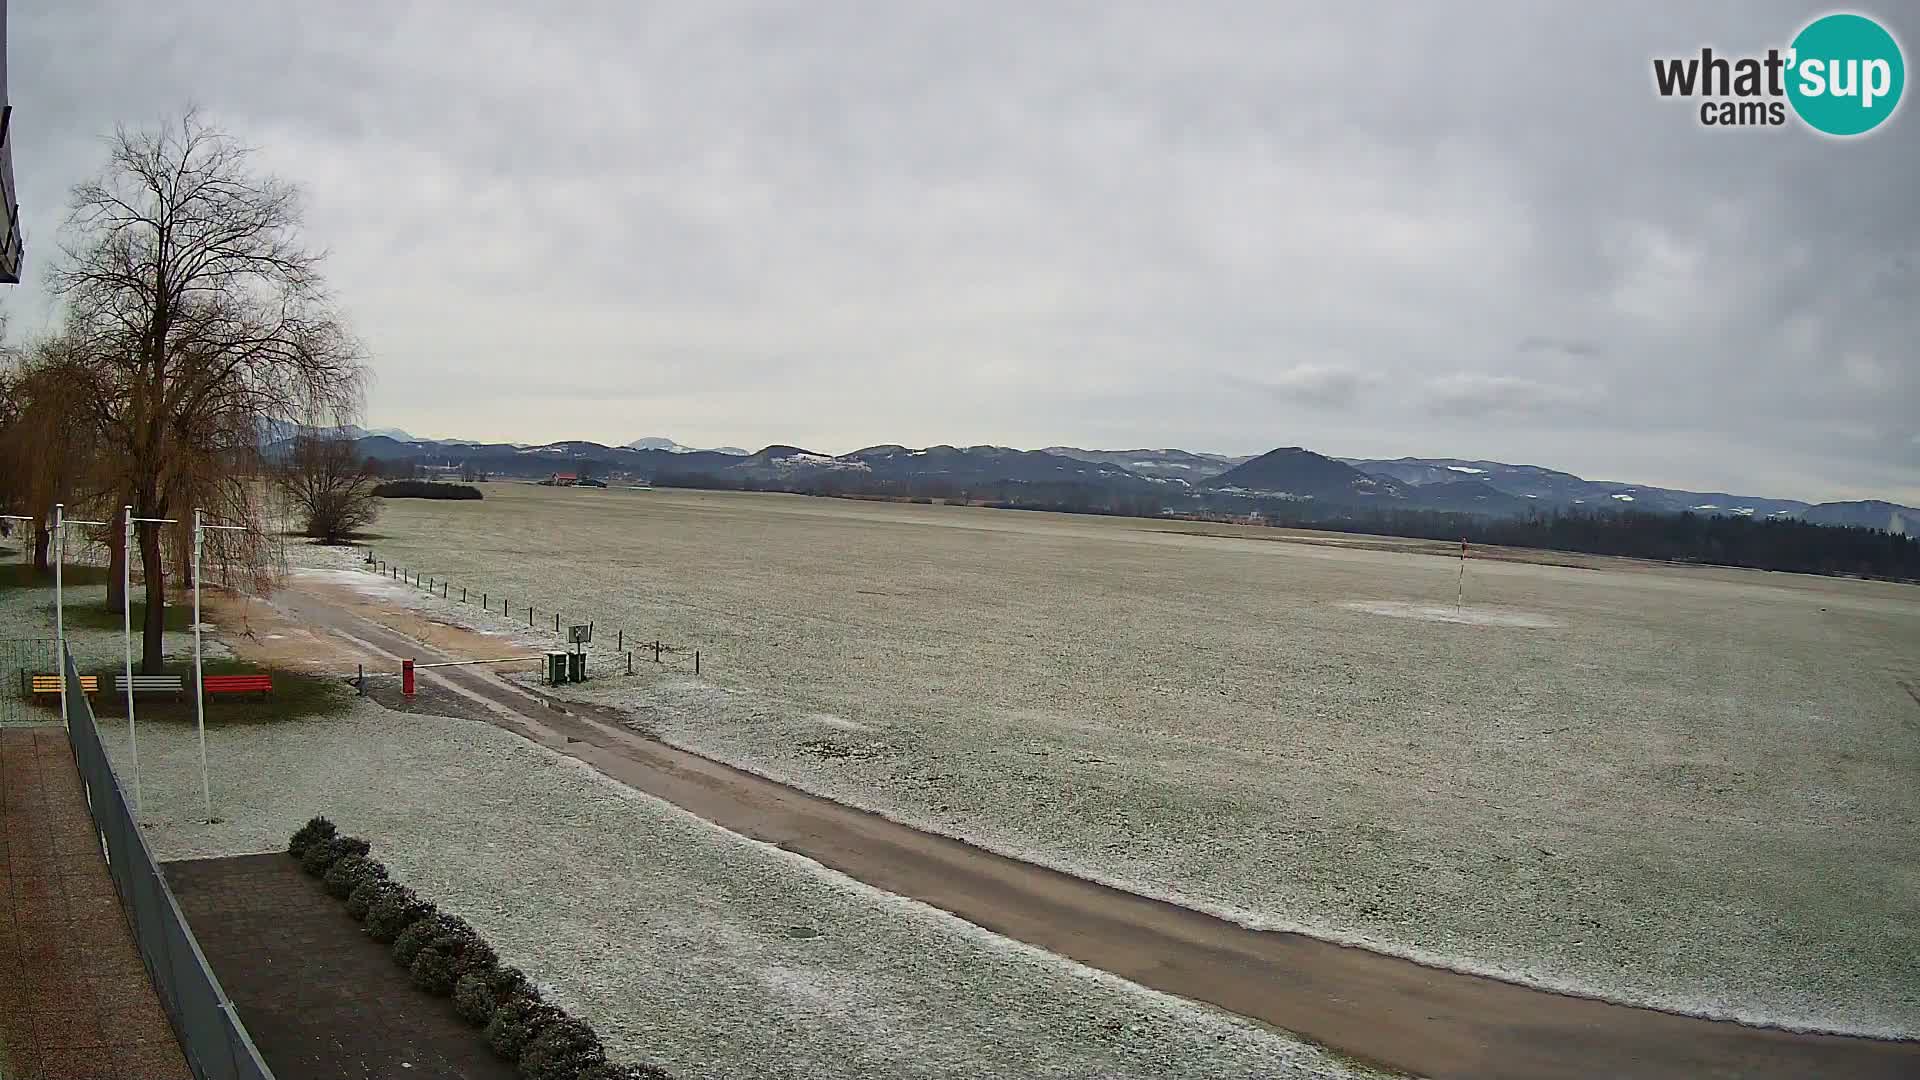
(238, 684)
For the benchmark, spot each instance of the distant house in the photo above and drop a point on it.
(561, 479)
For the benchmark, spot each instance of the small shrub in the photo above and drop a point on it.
(348, 872)
(508, 982)
(560, 1049)
(433, 971)
(449, 933)
(316, 829)
(406, 947)
(476, 958)
(320, 856)
(473, 998)
(515, 1022)
(394, 912)
(365, 895)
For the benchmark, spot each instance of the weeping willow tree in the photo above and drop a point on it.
(197, 316)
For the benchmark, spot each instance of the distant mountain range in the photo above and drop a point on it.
(1172, 478)
(655, 442)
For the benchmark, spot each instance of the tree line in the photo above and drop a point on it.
(1763, 544)
(194, 317)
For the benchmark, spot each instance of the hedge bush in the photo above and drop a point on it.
(396, 910)
(320, 855)
(473, 998)
(515, 1022)
(418, 936)
(348, 872)
(444, 955)
(560, 1049)
(366, 894)
(316, 829)
(433, 971)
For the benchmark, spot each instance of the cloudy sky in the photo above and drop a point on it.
(1377, 230)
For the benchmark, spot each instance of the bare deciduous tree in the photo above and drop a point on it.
(202, 316)
(329, 486)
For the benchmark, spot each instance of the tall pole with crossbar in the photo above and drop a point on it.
(59, 597)
(199, 689)
(126, 631)
(199, 693)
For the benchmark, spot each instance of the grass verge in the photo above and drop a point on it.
(20, 575)
(295, 696)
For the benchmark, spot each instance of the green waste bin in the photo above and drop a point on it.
(576, 667)
(556, 667)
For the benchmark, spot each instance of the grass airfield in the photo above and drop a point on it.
(1691, 788)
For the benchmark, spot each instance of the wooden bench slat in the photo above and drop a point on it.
(237, 684)
(53, 684)
(165, 683)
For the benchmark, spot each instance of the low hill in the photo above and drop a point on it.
(1294, 472)
(1867, 514)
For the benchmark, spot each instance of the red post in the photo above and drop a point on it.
(406, 677)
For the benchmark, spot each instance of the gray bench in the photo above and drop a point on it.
(151, 684)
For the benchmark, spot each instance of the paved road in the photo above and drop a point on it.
(1384, 1010)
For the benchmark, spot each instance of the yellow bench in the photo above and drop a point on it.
(51, 684)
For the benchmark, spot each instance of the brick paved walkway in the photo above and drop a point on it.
(321, 999)
(75, 1000)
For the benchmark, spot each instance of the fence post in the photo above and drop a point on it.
(463, 594)
(443, 590)
(656, 650)
(360, 682)
(629, 663)
(619, 640)
(696, 661)
(529, 615)
(556, 622)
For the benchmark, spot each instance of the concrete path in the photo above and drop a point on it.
(1380, 1009)
(75, 999)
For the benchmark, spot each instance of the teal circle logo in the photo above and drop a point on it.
(1846, 74)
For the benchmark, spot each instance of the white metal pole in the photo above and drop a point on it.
(59, 597)
(1460, 588)
(126, 633)
(199, 694)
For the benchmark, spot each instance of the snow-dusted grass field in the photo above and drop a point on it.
(683, 944)
(1692, 788)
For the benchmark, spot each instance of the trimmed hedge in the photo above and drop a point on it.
(395, 910)
(515, 1022)
(320, 855)
(366, 894)
(316, 829)
(444, 955)
(349, 872)
(473, 999)
(560, 1049)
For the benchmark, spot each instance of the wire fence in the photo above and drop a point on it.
(217, 1045)
(627, 653)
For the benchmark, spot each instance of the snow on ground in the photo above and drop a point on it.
(1693, 791)
(28, 613)
(684, 944)
(1466, 616)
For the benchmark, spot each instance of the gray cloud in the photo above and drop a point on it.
(1476, 395)
(1314, 384)
(1063, 223)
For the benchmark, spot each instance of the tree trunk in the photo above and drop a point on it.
(117, 565)
(42, 548)
(153, 625)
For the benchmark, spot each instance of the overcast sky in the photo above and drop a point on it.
(1428, 229)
